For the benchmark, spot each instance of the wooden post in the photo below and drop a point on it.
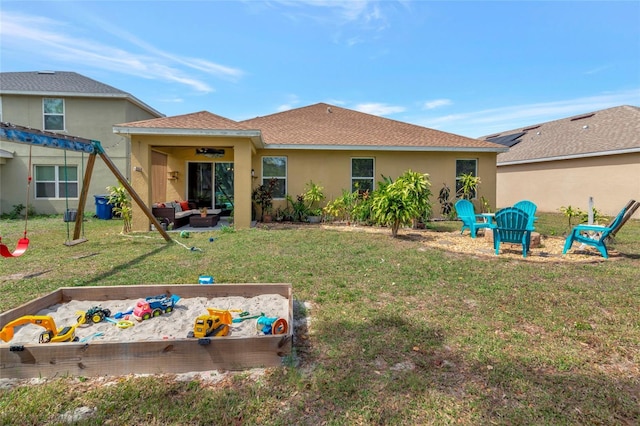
(83, 196)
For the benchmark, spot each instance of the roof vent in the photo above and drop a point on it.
(580, 117)
(585, 127)
(328, 110)
(46, 72)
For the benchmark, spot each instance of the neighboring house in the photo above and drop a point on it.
(71, 104)
(217, 162)
(566, 161)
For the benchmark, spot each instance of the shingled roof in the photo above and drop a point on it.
(63, 84)
(196, 121)
(327, 126)
(606, 132)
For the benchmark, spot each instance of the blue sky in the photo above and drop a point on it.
(471, 68)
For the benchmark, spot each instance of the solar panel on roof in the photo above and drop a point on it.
(507, 140)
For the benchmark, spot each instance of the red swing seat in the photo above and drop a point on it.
(23, 244)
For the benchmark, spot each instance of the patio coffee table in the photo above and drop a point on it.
(207, 221)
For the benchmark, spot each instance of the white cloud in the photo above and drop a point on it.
(379, 109)
(437, 103)
(291, 102)
(54, 40)
(358, 15)
(487, 121)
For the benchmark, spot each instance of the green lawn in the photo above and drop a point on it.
(398, 334)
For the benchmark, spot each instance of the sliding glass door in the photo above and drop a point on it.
(200, 184)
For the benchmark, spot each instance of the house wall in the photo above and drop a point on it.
(91, 118)
(610, 180)
(332, 170)
(329, 169)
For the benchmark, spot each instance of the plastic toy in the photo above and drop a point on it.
(122, 323)
(215, 323)
(244, 317)
(272, 325)
(124, 314)
(52, 334)
(154, 306)
(94, 315)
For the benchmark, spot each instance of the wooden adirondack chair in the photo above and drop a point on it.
(597, 235)
(466, 213)
(512, 226)
(529, 208)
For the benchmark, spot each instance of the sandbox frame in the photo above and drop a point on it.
(174, 356)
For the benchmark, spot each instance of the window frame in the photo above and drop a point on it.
(372, 177)
(265, 179)
(475, 174)
(50, 114)
(58, 180)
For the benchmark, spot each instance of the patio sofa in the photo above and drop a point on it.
(178, 212)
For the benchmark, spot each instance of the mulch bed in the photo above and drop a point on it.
(550, 249)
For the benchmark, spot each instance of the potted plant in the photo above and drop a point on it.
(203, 212)
(313, 196)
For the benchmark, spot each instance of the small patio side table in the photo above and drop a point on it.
(488, 217)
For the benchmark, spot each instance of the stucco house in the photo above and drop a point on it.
(217, 161)
(67, 103)
(564, 162)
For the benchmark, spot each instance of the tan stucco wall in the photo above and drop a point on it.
(332, 169)
(610, 180)
(91, 118)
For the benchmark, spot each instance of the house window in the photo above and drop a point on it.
(362, 173)
(464, 167)
(56, 181)
(275, 168)
(53, 109)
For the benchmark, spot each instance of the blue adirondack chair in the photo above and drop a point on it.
(596, 235)
(511, 226)
(529, 208)
(466, 213)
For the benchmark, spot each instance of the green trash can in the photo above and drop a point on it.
(104, 210)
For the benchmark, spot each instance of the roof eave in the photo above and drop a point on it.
(569, 157)
(254, 135)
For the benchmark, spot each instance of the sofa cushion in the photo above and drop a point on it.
(184, 205)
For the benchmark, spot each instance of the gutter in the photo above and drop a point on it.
(569, 157)
(384, 148)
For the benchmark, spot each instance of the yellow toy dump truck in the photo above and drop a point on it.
(215, 323)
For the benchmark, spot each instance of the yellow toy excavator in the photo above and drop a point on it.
(51, 334)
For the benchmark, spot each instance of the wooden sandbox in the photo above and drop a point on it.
(180, 355)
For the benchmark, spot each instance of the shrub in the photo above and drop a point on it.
(398, 203)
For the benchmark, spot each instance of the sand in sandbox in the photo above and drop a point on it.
(174, 325)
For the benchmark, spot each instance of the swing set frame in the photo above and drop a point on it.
(25, 135)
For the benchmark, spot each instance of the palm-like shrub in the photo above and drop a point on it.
(397, 203)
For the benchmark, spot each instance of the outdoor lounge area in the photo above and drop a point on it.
(181, 214)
